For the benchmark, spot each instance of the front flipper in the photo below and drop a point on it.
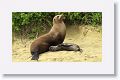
(35, 56)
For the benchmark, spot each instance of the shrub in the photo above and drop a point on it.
(31, 23)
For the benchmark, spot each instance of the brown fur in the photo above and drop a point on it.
(54, 37)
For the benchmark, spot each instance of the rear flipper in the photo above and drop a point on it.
(65, 44)
(70, 47)
(35, 56)
(54, 48)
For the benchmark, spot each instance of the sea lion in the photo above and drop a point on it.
(54, 37)
(65, 47)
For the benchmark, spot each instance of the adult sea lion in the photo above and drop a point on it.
(54, 37)
(65, 47)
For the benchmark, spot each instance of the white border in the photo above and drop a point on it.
(104, 67)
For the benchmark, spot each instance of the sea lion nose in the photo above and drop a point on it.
(63, 17)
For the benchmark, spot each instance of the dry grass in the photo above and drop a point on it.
(88, 38)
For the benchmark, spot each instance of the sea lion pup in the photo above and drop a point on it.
(54, 37)
(65, 47)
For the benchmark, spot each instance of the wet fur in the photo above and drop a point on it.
(54, 37)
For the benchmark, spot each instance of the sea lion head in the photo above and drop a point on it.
(58, 19)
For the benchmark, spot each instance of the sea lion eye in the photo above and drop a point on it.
(57, 16)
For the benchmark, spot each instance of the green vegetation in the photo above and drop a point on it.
(30, 24)
(83, 29)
